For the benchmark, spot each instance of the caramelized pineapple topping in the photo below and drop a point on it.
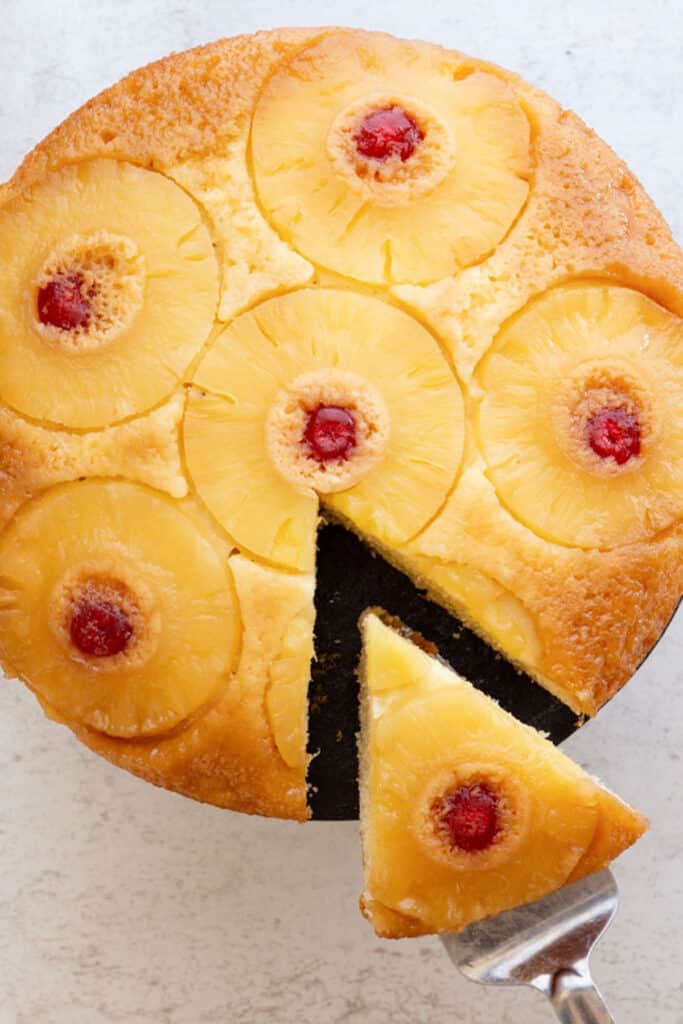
(387, 161)
(257, 399)
(574, 395)
(108, 289)
(117, 606)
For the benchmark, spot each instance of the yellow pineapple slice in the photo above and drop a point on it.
(108, 289)
(117, 607)
(579, 420)
(465, 812)
(258, 387)
(481, 602)
(229, 464)
(288, 675)
(389, 161)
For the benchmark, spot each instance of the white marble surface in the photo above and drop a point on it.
(123, 905)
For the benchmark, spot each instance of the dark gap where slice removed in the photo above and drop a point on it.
(351, 578)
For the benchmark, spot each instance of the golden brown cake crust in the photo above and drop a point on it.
(596, 614)
(226, 759)
(185, 105)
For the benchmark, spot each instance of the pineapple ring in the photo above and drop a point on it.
(287, 421)
(549, 368)
(178, 575)
(394, 182)
(257, 357)
(288, 671)
(148, 348)
(313, 198)
(414, 742)
(473, 596)
(514, 809)
(112, 270)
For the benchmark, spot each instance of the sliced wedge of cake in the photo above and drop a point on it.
(465, 811)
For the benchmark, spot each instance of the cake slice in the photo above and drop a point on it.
(465, 812)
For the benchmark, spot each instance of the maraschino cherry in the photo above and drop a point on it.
(62, 303)
(615, 434)
(388, 132)
(330, 433)
(99, 628)
(469, 817)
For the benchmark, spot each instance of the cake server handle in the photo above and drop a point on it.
(574, 996)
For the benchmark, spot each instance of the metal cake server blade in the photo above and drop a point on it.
(545, 944)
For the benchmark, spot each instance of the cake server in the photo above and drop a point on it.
(547, 945)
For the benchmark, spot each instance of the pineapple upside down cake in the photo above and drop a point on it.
(325, 275)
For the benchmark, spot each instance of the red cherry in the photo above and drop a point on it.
(62, 303)
(330, 433)
(469, 817)
(388, 132)
(614, 433)
(99, 628)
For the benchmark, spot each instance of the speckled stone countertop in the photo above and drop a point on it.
(121, 904)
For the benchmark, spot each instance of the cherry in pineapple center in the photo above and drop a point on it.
(330, 433)
(468, 818)
(63, 303)
(99, 628)
(389, 132)
(615, 434)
